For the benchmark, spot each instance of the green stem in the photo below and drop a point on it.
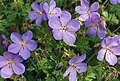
(116, 29)
(105, 2)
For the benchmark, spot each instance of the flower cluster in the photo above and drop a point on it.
(63, 28)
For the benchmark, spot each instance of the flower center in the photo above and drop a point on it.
(74, 64)
(51, 14)
(109, 48)
(64, 28)
(88, 12)
(40, 13)
(10, 63)
(22, 44)
(97, 26)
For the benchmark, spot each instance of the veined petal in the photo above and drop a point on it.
(94, 6)
(116, 50)
(114, 42)
(27, 36)
(24, 53)
(101, 54)
(95, 17)
(38, 20)
(85, 4)
(14, 47)
(52, 5)
(69, 37)
(111, 58)
(101, 33)
(80, 10)
(31, 45)
(6, 72)
(81, 58)
(57, 12)
(91, 31)
(73, 25)
(54, 23)
(106, 42)
(58, 35)
(81, 67)
(67, 71)
(17, 58)
(8, 55)
(84, 16)
(32, 15)
(73, 60)
(18, 68)
(3, 61)
(89, 22)
(35, 7)
(72, 76)
(15, 37)
(46, 7)
(65, 18)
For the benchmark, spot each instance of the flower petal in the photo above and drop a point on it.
(101, 54)
(38, 20)
(65, 18)
(73, 60)
(18, 68)
(69, 37)
(95, 17)
(33, 15)
(24, 53)
(52, 5)
(67, 71)
(111, 58)
(27, 36)
(72, 76)
(114, 42)
(113, 1)
(6, 72)
(46, 7)
(89, 22)
(106, 42)
(8, 55)
(91, 32)
(101, 33)
(15, 37)
(116, 50)
(94, 7)
(57, 34)
(35, 7)
(31, 45)
(57, 12)
(54, 23)
(80, 10)
(17, 58)
(73, 25)
(14, 47)
(84, 17)
(85, 4)
(81, 67)
(3, 61)
(81, 58)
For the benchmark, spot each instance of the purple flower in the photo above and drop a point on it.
(114, 1)
(85, 10)
(4, 41)
(64, 27)
(51, 9)
(96, 25)
(76, 65)
(11, 63)
(110, 48)
(22, 44)
(38, 14)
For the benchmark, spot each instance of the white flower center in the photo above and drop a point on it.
(22, 44)
(10, 63)
(63, 28)
(40, 13)
(109, 48)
